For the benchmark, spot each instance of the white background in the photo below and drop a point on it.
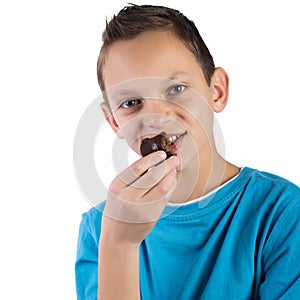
(48, 78)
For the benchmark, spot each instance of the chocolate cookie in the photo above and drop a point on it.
(159, 142)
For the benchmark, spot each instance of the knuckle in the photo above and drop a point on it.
(154, 175)
(113, 187)
(163, 189)
(136, 169)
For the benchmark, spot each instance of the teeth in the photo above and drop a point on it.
(173, 138)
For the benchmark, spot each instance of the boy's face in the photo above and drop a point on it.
(154, 84)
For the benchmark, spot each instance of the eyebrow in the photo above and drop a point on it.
(123, 93)
(177, 75)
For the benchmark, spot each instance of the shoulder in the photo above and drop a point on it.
(268, 196)
(267, 183)
(272, 199)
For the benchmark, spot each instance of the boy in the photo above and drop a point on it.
(191, 226)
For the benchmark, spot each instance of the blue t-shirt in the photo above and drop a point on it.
(240, 242)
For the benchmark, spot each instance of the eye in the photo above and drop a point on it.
(176, 89)
(130, 103)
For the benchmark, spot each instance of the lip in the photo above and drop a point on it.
(174, 147)
(149, 136)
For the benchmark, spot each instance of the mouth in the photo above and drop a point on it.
(170, 137)
(175, 141)
(169, 143)
(173, 138)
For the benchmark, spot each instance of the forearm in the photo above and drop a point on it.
(126, 223)
(118, 272)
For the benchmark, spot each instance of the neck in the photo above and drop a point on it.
(203, 175)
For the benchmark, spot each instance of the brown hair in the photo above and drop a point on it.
(133, 20)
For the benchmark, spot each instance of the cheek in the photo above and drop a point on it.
(199, 115)
(135, 148)
(129, 130)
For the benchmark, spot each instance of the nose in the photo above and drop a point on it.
(156, 113)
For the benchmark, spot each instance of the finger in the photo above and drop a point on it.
(146, 211)
(137, 169)
(163, 190)
(154, 175)
(148, 181)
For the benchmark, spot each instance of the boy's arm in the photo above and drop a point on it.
(281, 259)
(118, 271)
(86, 267)
(135, 201)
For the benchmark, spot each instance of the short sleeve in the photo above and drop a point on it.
(86, 267)
(281, 261)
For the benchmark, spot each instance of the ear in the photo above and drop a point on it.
(220, 89)
(111, 119)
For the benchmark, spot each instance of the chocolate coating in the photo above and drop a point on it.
(159, 142)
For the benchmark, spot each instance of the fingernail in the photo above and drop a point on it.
(162, 154)
(175, 160)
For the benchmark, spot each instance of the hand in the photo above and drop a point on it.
(137, 197)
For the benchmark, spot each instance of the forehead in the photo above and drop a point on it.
(151, 54)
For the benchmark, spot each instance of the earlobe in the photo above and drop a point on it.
(220, 86)
(111, 120)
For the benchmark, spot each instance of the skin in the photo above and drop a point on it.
(180, 102)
